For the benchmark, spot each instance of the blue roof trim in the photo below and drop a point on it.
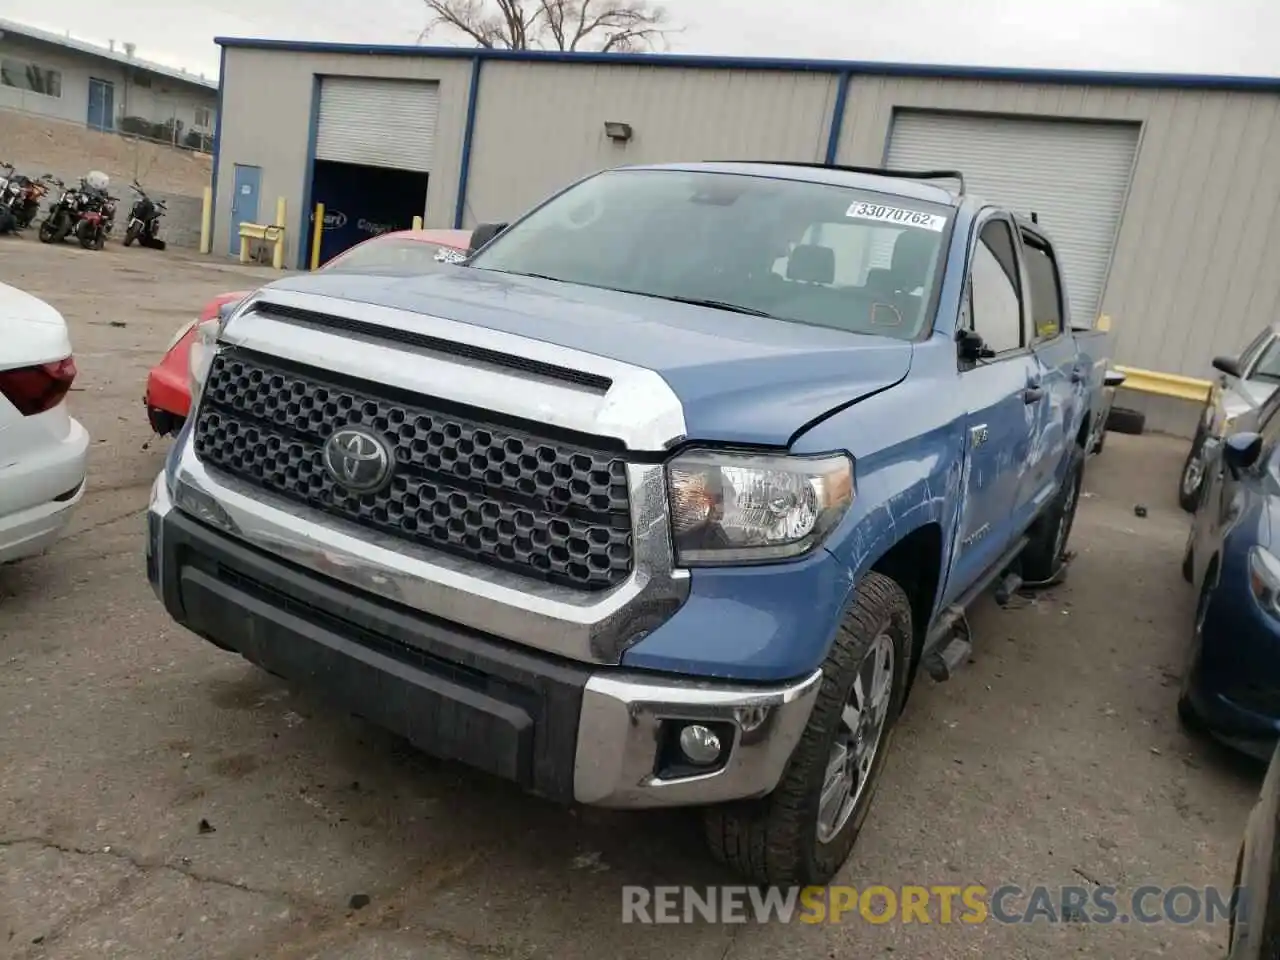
(923, 70)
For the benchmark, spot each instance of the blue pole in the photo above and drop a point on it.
(465, 173)
(837, 117)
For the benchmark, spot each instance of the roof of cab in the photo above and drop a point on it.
(925, 190)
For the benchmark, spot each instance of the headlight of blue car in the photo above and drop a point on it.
(733, 508)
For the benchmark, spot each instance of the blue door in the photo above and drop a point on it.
(1066, 373)
(1002, 396)
(244, 201)
(102, 104)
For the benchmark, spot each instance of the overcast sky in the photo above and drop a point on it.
(1183, 36)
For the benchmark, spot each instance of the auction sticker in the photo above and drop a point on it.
(896, 215)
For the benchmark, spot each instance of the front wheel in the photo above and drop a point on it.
(85, 235)
(802, 833)
(131, 234)
(1044, 555)
(48, 230)
(1192, 478)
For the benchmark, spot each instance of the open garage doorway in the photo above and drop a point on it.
(375, 142)
(363, 201)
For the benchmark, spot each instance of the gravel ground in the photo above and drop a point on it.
(1054, 758)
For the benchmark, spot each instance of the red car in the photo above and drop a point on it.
(168, 397)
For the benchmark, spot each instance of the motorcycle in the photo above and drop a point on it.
(21, 195)
(73, 205)
(144, 220)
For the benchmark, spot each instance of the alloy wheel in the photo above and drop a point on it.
(862, 726)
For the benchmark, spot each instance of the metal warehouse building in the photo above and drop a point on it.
(1162, 192)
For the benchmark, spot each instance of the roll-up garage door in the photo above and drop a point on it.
(1073, 175)
(378, 123)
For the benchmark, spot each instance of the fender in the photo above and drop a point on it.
(909, 452)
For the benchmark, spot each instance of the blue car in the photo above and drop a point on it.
(665, 498)
(1231, 684)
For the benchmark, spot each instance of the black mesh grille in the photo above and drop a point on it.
(545, 508)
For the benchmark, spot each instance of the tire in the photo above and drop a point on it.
(99, 239)
(1191, 479)
(1125, 420)
(130, 235)
(1188, 565)
(1190, 719)
(1050, 534)
(47, 231)
(776, 840)
(84, 235)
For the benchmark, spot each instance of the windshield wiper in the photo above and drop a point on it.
(713, 304)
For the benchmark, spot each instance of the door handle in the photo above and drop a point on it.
(1032, 394)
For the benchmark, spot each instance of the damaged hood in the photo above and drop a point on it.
(740, 379)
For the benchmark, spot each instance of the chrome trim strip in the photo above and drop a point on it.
(620, 725)
(594, 627)
(640, 409)
(157, 509)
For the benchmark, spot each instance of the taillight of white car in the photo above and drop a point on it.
(39, 387)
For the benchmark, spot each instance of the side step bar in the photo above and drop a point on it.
(951, 642)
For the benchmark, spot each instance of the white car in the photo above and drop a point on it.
(43, 450)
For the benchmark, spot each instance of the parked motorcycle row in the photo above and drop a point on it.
(85, 210)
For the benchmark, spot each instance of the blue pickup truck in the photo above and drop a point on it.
(664, 497)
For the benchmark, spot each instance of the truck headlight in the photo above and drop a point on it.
(1264, 579)
(746, 508)
(200, 359)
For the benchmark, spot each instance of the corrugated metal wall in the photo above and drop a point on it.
(540, 125)
(266, 122)
(1194, 271)
(1196, 268)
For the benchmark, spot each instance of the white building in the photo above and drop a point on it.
(106, 88)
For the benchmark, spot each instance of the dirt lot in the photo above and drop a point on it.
(1053, 759)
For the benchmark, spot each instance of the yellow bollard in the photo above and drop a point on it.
(417, 223)
(315, 238)
(206, 221)
(244, 249)
(277, 256)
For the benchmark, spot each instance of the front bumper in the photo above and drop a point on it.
(1234, 683)
(559, 728)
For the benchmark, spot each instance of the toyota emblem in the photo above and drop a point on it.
(358, 460)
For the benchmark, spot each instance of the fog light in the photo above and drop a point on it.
(700, 744)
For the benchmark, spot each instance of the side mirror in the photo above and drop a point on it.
(1113, 378)
(1240, 451)
(971, 347)
(483, 233)
(1228, 365)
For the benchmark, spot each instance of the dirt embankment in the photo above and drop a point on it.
(38, 145)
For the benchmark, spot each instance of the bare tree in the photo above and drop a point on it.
(608, 26)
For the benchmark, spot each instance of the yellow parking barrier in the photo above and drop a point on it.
(316, 234)
(417, 223)
(1165, 384)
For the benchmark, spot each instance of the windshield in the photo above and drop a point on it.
(392, 255)
(1268, 367)
(799, 251)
